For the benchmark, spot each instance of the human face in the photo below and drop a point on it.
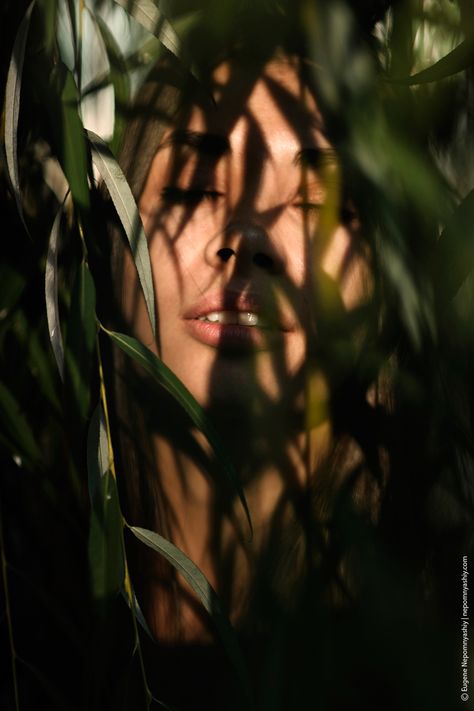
(232, 210)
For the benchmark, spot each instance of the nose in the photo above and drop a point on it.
(248, 246)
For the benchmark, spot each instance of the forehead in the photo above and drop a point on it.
(269, 107)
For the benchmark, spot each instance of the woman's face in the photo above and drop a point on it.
(239, 207)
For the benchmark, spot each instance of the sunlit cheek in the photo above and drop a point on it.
(177, 243)
(193, 225)
(346, 267)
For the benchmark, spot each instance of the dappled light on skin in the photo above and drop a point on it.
(243, 214)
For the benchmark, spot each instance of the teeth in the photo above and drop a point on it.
(246, 318)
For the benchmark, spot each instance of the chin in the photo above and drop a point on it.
(246, 390)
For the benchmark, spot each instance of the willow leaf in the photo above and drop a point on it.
(74, 148)
(165, 377)
(80, 343)
(459, 59)
(49, 13)
(137, 611)
(98, 462)
(51, 292)
(106, 550)
(120, 81)
(127, 211)
(204, 590)
(12, 106)
(147, 14)
(16, 429)
(40, 366)
(96, 84)
(454, 254)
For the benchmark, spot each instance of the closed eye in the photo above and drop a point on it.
(188, 196)
(309, 206)
(348, 215)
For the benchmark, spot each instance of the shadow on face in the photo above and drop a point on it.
(243, 211)
(256, 260)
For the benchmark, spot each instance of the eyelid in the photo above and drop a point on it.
(176, 195)
(309, 205)
(347, 214)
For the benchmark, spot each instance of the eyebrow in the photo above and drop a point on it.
(315, 157)
(211, 144)
(216, 145)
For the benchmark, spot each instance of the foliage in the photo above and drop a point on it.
(403, 129)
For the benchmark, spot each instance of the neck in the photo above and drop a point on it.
(202, 513)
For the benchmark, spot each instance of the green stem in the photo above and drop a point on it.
(127, 581)
(9, 616)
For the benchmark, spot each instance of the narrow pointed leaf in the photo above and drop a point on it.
(49, 13)
(80, 343)
(165, 377)
(70, 136)
(454, 255)
(96, 84)
(120, 81)
(98, 462)
(138, 613)
(147, 14)
(41, 367)
(459, 59)
(204, 590)
(12, 106)
(16, 430)
(51, 292)
(127, 211)
(106, 550)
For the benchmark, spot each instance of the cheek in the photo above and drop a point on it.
(293, 243)
(175, 251)
(347, 267)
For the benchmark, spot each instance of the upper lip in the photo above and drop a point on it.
(242, 301)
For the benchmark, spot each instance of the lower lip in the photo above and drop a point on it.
(233, 336)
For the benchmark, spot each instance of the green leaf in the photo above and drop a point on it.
(80, 342)
(165, 377)
(51, 292)
(41, 367)
(75, 30)
(127, 211)
(98, 462)
(106, 548)
(120, 81)
(12, 106)
(96, 84)
(147, 14)
(204, 590)
(17, 431)
(459, 59)
(13, 285)
(136, 610)
(49, 11)
(146, 55)
(70, 139)
(454, 254)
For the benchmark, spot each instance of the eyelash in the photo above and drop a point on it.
(347, 214)
(188, 196)
(308, 206)
(194, 196)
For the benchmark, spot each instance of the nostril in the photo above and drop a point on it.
(263, 260)
(225, 253)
